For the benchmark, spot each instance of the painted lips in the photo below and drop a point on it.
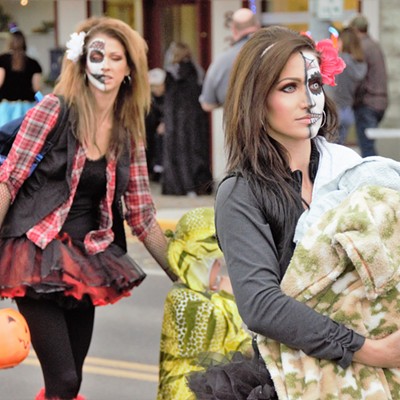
(100, 78)
(311, 119)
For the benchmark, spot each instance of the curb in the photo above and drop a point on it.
(169, 217)
(167, 224)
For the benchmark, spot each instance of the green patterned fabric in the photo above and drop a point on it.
(346, 267)
(196, 319)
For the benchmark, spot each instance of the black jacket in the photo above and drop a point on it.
(49, 186)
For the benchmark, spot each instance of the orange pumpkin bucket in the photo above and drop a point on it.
(15, 338)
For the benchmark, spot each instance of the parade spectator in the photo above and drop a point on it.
(20, 78)
(244, 23)
(155, 126)
(343, 93)
(186, 159)
(372, 96)
(65, 222)
(277, 122)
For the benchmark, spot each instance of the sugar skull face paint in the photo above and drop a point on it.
(315, 94)
(95, 63)
(106, 63)
(295, 103)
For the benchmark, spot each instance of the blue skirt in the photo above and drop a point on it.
(10, 110)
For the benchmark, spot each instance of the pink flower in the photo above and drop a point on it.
(331, 63)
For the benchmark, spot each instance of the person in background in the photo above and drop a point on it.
(343, 93)
(155, 126)
(20, 78)
(277, 125)
(371, 97)
(66, 222)
(244, 23)
(186, 145)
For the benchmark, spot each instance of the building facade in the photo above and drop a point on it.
(203, 25)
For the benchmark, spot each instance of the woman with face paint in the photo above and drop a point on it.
(277, 121)
(66, 222)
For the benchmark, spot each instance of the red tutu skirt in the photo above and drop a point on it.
(65, 272)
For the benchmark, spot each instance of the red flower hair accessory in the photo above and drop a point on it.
(331, 64)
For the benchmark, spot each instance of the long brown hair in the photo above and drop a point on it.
(253, 76)
(133, 98)
(251, 151)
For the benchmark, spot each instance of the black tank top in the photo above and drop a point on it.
(84, 213)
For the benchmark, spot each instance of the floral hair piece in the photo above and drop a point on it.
(75, 46)
(331, 64)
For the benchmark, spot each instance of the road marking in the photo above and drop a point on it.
(115, 368)
(122, 364)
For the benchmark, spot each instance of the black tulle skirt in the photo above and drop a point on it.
(232, 377)
(63, 271)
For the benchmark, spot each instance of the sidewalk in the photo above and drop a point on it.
(171, 208)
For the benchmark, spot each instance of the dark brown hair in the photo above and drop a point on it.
(251, 151)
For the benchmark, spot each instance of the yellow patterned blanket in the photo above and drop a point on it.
(196, 319)
(347, 267)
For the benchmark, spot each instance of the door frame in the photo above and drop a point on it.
(152, 29)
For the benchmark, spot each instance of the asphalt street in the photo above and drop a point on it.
(123, 358)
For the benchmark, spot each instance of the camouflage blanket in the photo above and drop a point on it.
(346, 266)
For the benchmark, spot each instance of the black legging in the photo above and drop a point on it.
(61, 339)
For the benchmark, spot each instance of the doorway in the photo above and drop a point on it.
(168, 21)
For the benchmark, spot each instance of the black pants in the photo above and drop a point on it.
(61, 338)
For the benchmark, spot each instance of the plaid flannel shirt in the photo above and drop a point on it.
(140, 210)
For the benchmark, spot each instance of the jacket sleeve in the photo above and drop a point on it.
(140, 210)
(248, 246)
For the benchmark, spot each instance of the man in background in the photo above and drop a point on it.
(244, 23)
(371, 98)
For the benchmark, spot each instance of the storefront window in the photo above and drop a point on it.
(295, 14)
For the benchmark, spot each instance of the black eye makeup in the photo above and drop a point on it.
(289, 87)
(315, 83)
(96, 56)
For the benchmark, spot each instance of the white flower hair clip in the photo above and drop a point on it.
(75, 46)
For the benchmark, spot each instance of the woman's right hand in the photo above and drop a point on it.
(383, 353)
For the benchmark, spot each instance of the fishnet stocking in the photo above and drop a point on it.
(156, 244)
(5, 199)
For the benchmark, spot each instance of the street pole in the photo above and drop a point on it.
(318, 27)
